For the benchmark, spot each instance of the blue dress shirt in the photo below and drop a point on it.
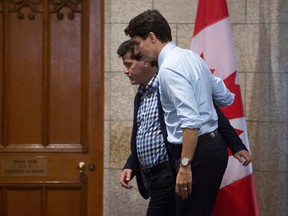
(187, 92)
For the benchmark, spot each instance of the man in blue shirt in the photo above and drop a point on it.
(188, 91)
(148, 143)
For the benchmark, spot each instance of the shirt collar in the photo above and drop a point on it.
(164, 51)
(152, 85)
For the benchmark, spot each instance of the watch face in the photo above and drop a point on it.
(184, 161)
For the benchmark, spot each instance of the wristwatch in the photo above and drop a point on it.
(185, 161)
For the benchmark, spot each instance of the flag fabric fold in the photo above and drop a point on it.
(212, 40)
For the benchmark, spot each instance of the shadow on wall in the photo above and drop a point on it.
(269, 105)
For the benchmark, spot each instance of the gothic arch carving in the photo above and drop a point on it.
(37, 6)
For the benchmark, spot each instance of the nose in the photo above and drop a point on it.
(125, 70)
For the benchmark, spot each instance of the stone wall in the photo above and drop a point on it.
(260, 30)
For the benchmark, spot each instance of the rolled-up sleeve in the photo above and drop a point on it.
(221, 94)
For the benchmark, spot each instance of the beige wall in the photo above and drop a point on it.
(260, 29)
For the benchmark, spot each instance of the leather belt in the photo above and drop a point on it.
(157, 168)
(210, 135)
(177, 148)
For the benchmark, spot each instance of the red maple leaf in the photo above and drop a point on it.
(239, 132)
(235, 110)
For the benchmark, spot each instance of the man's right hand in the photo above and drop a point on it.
(243, 154)
(183, 186)
(125, 178)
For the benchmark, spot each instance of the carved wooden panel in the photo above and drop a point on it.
(43, 199)
(44, 77)
(51, 107)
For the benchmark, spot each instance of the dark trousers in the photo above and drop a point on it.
(208, 167)
(162, 194)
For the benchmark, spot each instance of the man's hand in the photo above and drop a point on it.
(125, 178)
(183, 186)
(243, 154)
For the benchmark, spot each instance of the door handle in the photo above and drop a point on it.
(81, 167)
(83, 177)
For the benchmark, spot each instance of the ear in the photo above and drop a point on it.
(152, 37)
(146, 64)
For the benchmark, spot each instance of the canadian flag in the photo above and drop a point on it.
(212, 40)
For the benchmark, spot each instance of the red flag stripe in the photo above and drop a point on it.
(240, 204)
(213, 10)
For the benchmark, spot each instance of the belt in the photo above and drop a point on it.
(210, 135)
(157, 168)
(177, 148)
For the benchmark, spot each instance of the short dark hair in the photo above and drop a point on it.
(128, 47)
(149, 21)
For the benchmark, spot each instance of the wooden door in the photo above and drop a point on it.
(51, 107)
